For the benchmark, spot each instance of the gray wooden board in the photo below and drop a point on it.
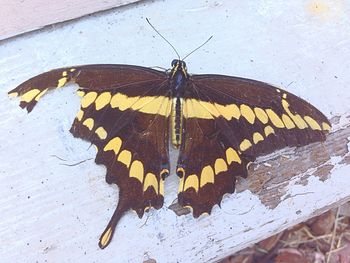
(55, 213)
(18, 16)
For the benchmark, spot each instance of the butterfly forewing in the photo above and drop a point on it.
(94, 77)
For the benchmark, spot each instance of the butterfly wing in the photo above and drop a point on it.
(124, 113)
(95, 77)
(230, 121)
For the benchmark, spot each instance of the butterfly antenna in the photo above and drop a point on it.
(163, 37)
(197, 48)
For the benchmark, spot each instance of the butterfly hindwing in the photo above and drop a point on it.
(215, 169)
(133, 147)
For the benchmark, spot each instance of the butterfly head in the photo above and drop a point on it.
(178, 66)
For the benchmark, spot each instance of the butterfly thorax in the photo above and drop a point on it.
(178, 82)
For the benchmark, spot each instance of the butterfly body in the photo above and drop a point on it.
(219, 123)
(178, 82)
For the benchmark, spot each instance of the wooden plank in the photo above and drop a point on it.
(53, 212)
(17, 16)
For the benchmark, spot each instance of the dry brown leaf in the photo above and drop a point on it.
(290, 255)
(323, 224)
(270, 242)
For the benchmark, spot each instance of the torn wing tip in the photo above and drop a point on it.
(12, 94)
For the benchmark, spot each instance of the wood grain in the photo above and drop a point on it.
(17, 17)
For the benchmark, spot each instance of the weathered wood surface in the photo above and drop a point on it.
(18, 16)
(54, 212)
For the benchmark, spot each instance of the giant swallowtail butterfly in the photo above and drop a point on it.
(219, 123)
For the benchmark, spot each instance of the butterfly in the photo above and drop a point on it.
(219, 123)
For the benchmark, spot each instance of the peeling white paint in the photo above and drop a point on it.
(60, 211)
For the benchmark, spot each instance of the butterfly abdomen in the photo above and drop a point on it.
(176, 121)
(178, 84)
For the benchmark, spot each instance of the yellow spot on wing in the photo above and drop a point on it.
(137, 170)
(125, 157)
(13, 94)
(142, 102)
(181, 171)
(80, 115)
(210, 107)
(257, 137)
(154, 105)
(181, 184)
(150, 181)
(235, 110)
(163, 172)
(229, 111)
(30, 95)
(206, 110)
(297, 119)
(204, 214)
(285, 105)
(80, 93)
(268, 130)
(122, 102)
(325, 126)
(165, 107)
(195, 109)
(220, 166)
(106, 237)
(102, 100)
(207, 176)
(189, 207)
(64, 74)
(88, 99)
(232, 156)
(101, 133)
(312, 123)
(151, 105)
(191, 181)
(89, 123)
(114, 145)
(275, 119)
(247, 113)
(161, 187)
(96, 149)
(261, 115)
(61, 82)
(37, 98)
(288, 122)
(245, 144)
(188, 113)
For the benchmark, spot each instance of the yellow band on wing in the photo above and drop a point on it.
(147, 104)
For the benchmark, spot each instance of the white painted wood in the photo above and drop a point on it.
(18, 16)
(55, 213)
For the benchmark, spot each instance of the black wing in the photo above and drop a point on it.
(124, 113)
(230, 121)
